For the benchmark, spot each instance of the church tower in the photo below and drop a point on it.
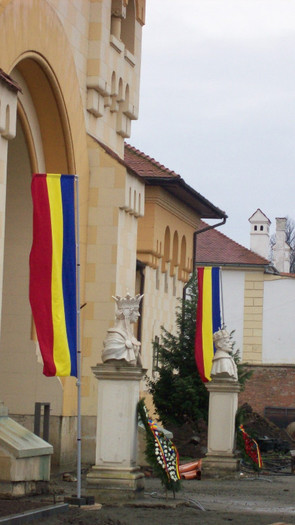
(259, 233)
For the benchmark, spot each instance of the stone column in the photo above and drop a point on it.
(220, 460)
(115, 474)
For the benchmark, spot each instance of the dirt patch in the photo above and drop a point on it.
(8, 506)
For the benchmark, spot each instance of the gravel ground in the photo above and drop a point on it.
(249, 500)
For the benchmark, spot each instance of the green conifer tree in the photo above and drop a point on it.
(179, 395)
(178, 392)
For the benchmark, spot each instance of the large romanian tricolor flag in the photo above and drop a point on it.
(53, 272)
(208, 319)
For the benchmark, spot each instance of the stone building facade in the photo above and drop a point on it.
(68, 95)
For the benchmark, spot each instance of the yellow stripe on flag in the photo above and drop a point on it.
(61, 354)
(207, 328)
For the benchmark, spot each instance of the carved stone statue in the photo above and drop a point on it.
(223, 365)
(120, 343)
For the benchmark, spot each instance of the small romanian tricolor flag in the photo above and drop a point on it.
(208, 319)
(53, 280)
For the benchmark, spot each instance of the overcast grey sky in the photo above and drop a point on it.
(217, 102)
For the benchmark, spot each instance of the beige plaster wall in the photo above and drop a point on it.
(111, 255)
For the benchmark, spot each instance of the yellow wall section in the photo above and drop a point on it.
(162, 210)
(253, 317)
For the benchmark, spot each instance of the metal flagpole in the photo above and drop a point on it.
(78, 344)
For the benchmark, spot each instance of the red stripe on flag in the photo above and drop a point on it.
(199, 355)
(40, 271)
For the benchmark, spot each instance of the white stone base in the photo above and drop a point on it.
(223, 402)
(111, 484)
(116, 474)
(220, 467)
(24, 459)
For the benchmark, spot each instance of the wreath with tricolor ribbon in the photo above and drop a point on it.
(161, 453)
(251, 448)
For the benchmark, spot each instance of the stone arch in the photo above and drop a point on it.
(166, 256)
(114, 93)
(51, 114)
(39, 33)
(120, 91)
(125, 105)
(175, 255)
(182, 265)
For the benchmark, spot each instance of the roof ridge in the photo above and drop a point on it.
(151, 160)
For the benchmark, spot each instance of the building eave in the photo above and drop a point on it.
(178, 187)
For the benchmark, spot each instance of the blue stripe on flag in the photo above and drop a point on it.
(69, 266)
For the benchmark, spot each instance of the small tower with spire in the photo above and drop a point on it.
(259, 234)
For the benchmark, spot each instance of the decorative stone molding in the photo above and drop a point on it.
(99, 84)
(123, 125)
(119, 8)
(117, 44)
(130, 111)
(8, 104)
(95, 103)
(150, 258)
(129, 57)
(134, 197)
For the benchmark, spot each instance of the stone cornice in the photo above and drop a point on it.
(118, 371)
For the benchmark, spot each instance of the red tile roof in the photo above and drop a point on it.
(213, 247)
(155, 173)
(146, 166)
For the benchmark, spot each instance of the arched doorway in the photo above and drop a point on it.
(42, 144)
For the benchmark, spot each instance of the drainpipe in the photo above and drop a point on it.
(197, 232)
(140, 266)
(202, 231)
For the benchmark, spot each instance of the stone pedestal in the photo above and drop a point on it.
(24, 459)
(220, 460)
(115, 474)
